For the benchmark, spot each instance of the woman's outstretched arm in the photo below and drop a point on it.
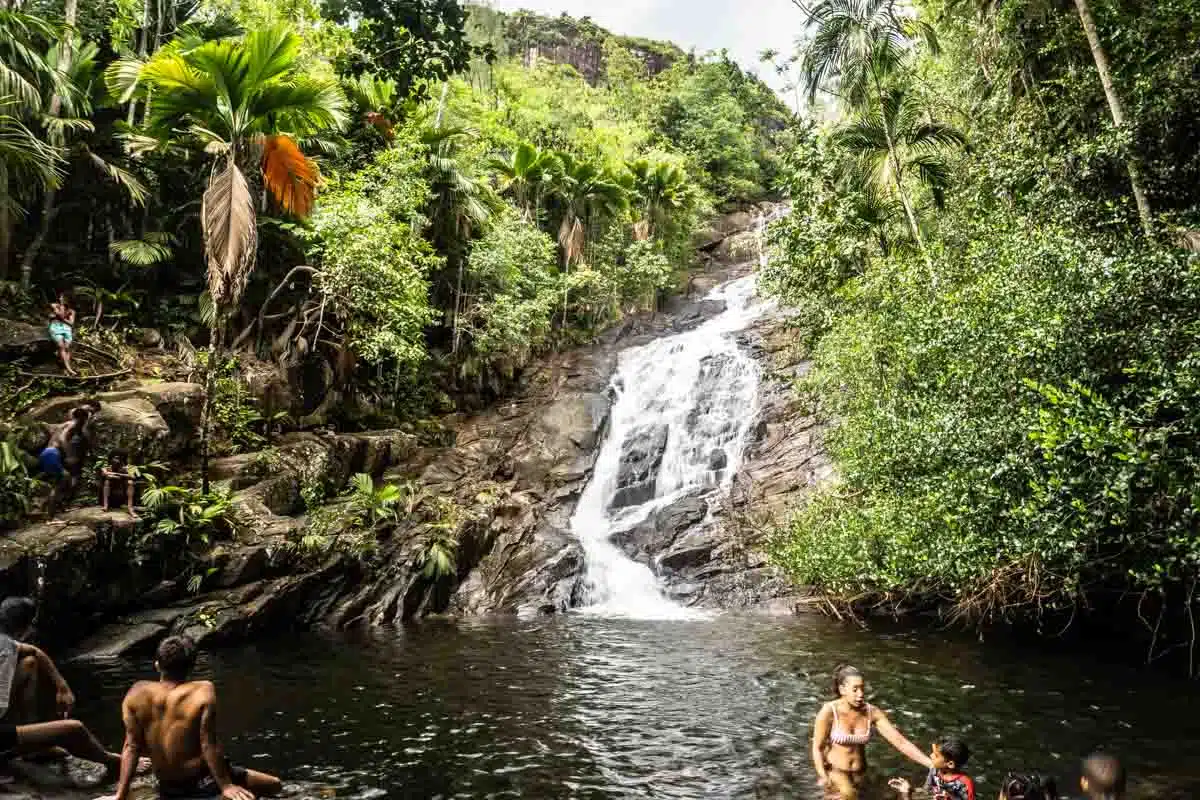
(896, 739)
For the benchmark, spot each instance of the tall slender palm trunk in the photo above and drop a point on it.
(50, 196)
(1116, 108)
(897, 172)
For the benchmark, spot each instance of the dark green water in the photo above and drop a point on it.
(606, 708)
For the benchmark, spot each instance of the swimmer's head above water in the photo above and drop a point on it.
(1027, 787)
(849, 685)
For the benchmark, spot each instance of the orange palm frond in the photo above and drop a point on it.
(290, 176)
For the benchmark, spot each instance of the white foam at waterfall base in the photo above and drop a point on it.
(704, 390)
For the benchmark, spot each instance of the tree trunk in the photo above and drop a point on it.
(49, 212)
(894, 157)
(1116, 107)
(70, 14)
(6, 231)
(457, 305)
(143, 45)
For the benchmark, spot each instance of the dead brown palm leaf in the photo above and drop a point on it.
(230, 234)
(571, 237)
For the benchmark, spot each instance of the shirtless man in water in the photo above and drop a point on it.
(174, 720)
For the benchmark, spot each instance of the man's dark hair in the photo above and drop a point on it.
(175, 657)
(1105, 776)
(16, 615)
(955, 750)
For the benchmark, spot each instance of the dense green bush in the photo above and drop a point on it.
(1012, 394)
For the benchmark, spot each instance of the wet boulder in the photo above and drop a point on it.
(20, 339)
(637, 475)
(650, 538)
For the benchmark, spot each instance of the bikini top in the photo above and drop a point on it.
(849, 738)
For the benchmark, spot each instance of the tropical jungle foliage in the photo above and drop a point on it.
(383, 196)
(990, 253)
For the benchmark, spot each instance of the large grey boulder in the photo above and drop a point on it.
(637, 475)
(20, 339)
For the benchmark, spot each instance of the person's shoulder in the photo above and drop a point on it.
(204, 690)
(139, 690)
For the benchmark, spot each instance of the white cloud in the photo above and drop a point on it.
(743, 27)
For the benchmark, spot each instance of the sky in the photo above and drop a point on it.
(744, 27)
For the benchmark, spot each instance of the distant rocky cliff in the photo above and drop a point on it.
(580, 43)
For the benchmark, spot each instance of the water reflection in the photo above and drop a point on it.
(602, 708)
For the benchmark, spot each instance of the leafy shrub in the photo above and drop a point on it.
(17, 486)
(1016, 438)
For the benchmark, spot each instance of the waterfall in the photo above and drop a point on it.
(683, 408)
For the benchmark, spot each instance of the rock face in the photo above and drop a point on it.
(149, 422)
(20, 339)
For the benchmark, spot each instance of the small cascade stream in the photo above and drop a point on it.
(684, 406)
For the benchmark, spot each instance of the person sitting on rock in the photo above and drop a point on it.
(174, 719)
(35, 700)
(116, 478)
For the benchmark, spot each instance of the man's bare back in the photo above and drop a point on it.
(169, 718)
(174, 721)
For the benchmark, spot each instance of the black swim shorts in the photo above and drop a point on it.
(8, 737)
(203, 785)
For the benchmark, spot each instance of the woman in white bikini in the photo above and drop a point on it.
(841, 732)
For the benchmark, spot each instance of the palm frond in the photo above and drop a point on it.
(141, 252)
(230, 233)
(289, 175)
(126, 180)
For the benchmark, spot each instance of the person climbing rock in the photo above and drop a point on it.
(61, 460)
(62, 329)
(35, 700)
(174, 719)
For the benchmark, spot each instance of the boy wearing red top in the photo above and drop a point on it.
(946, 780)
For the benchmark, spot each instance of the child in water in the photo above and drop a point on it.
(1103, 777)
(946, 780)
(1027, 787)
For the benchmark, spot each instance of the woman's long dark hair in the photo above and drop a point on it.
(1028, 787)
(843, 673)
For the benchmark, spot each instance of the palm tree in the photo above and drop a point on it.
(245, 101)
(66, 108)
(856, 47)
(660, 188)
(26, 161)
(1116, 105)
(588, 194)
(896, 139)
(527, 175)
(460, 204)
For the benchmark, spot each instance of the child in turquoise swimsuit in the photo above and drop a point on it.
(62, 329)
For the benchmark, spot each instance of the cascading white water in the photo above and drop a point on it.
(683, 408)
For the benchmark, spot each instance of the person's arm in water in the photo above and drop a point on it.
(64, 698)
(214, 753)
(821, 727)
(896, 739)
(132, 748)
